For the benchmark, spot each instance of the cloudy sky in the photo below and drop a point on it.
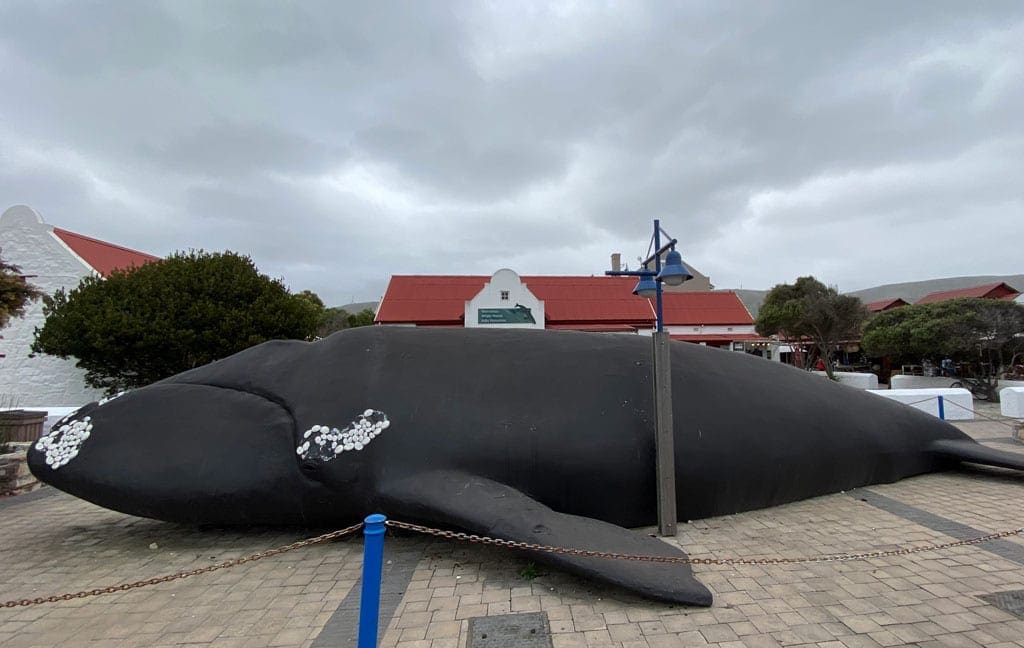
(337, 143)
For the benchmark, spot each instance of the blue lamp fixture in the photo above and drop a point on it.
(647, 287)
(673, 274)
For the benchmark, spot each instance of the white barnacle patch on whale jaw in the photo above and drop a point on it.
(325, 443)
(61, 445)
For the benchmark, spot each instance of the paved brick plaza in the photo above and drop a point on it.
(53, 543)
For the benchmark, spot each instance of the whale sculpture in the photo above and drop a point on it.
(537, 436)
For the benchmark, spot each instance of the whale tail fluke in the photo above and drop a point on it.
(973, 452)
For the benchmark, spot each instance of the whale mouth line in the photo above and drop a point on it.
(273, 399)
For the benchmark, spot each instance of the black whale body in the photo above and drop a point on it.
(532, 435)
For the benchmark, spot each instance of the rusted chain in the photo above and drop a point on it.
(184, 574)
(588, 553)
(984, 416)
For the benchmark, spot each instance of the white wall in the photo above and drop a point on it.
(724, 330)
(490, 297)
(28, 242)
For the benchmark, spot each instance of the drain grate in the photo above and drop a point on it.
(1012, 601)
(527, 630)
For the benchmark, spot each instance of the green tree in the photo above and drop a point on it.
(810, 309)
(15, 293)
(338, 319)
(312, 298)
(971, 330)
(145, 324)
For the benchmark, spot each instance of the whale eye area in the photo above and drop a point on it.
(61, 445)
(323, 442)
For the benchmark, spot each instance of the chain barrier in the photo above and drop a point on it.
(509, 544)
(588, 553)
(11, 492)
(185, 574)
(1001, 421)
(948, 401)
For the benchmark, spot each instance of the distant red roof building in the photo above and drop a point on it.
(886, 304)
(570, 302)
(989, 291)
(101, 256)
(599, 304)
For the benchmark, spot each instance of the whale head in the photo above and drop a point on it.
(193, 453)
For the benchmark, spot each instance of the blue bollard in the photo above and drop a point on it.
(942, 409)
(373, 562)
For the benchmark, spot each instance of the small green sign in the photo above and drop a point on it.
(518, 315)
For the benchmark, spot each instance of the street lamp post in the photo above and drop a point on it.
(674, 273)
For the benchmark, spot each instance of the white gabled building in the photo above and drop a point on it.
(50, 258)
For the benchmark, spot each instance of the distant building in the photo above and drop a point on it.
(50, 258)
(885, 304)
(988, 291)
(597, 304)
(699, 283)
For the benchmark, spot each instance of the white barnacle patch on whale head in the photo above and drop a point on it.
(104, 401)
(61, 445)
(324, 442)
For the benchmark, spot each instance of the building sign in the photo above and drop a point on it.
(517, 315)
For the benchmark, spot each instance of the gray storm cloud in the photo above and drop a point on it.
(862, 142)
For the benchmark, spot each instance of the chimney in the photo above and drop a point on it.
(617, 261)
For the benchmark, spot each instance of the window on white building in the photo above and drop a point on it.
(504, 295)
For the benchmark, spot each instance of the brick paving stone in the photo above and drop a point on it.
(57, 543)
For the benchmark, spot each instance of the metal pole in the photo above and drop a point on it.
(942, 409)
(657, 268)
(664, 441)
(373, 563)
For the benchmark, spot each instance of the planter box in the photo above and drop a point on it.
(14, 472)
(21, 426)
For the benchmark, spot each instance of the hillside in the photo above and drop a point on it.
(911, 291)
(914, 290)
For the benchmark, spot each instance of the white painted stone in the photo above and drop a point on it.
(855, 380)
(1011, 402)
(920, 382)
(958, 403)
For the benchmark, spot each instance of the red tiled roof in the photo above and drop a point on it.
(101, 256)
(442, 298)
(886, 304)
(718, 307)
(992, 291)
(575, 302)
(590, 299)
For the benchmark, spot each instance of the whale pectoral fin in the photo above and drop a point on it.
(486, 507)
